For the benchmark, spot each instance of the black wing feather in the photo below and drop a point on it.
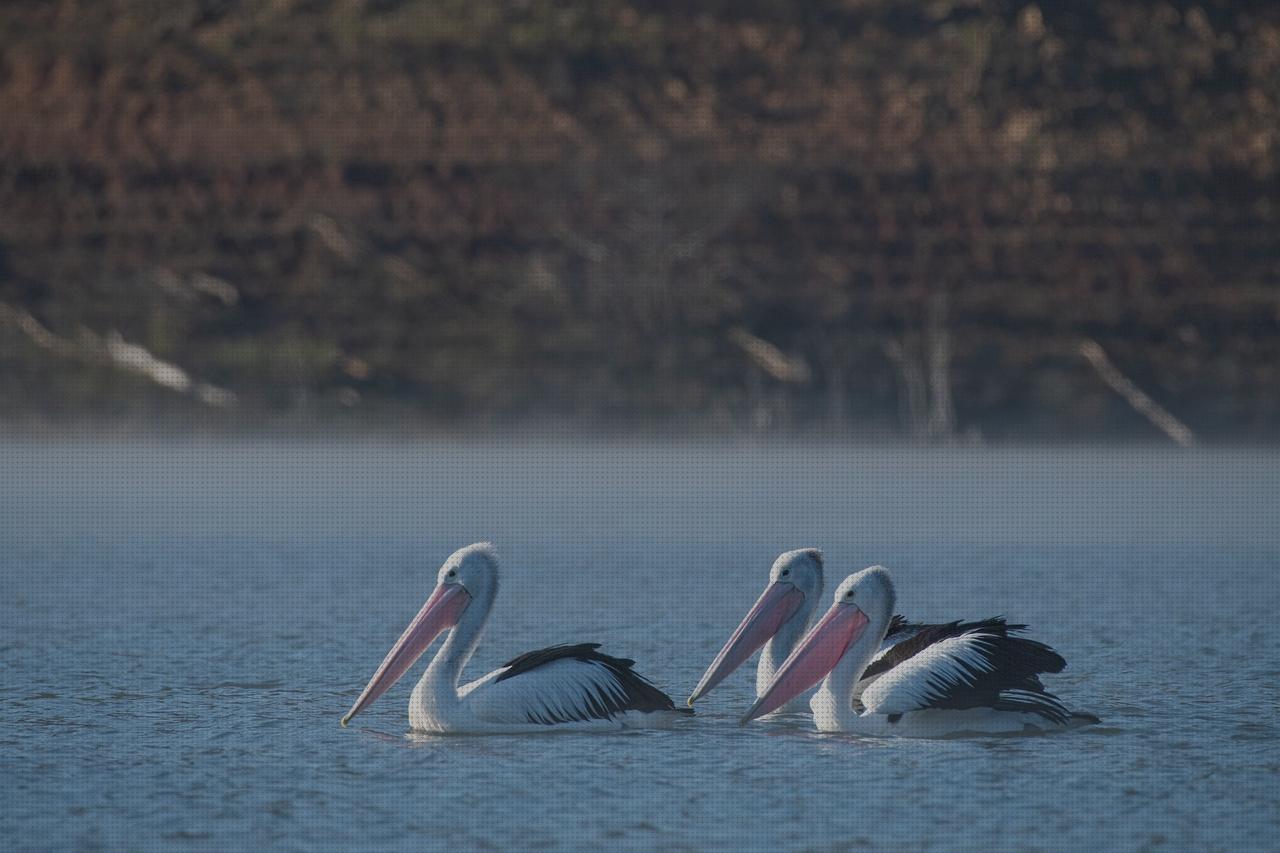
(1011, 684)
(637, 693)
(1028, 657)
(899, 625)
(900, 630)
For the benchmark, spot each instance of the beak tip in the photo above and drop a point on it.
(346, 719)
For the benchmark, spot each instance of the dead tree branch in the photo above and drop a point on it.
(113, 349)
(924, 365)
(1134, 396)
(770, 359)
(942, 415)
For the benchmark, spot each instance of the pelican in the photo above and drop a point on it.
(568, 687)
(959, 678)
(779, 619)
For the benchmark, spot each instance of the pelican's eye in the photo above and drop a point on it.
(453, 573)
(849, 595)
(785, 572)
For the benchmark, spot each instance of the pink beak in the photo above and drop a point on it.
(440, 613)
(817, 654)
(775, 606)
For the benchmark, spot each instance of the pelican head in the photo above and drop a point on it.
(863, 599)
(795, 584)
(474, 568)
(802, 568)
(871, 591)
(470, 574)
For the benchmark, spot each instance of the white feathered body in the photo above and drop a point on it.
(562, 695)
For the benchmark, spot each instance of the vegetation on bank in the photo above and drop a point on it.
(845, 216)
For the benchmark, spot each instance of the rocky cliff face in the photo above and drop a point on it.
(852, 214)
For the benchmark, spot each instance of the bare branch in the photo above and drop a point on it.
(942, 416)
(1134, 396)
(770, 359)
(915, 396)
(116, 351)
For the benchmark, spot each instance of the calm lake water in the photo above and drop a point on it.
(182, 625)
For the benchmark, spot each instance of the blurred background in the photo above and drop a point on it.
(940, 221)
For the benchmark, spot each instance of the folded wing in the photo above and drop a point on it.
(563, 684)
(964, 665)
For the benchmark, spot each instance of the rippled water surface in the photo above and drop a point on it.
(182, 626)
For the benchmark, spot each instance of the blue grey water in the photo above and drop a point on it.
(183, 623)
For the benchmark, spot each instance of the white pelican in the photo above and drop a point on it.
(779, 619)
(960, 678)
(566, 687)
